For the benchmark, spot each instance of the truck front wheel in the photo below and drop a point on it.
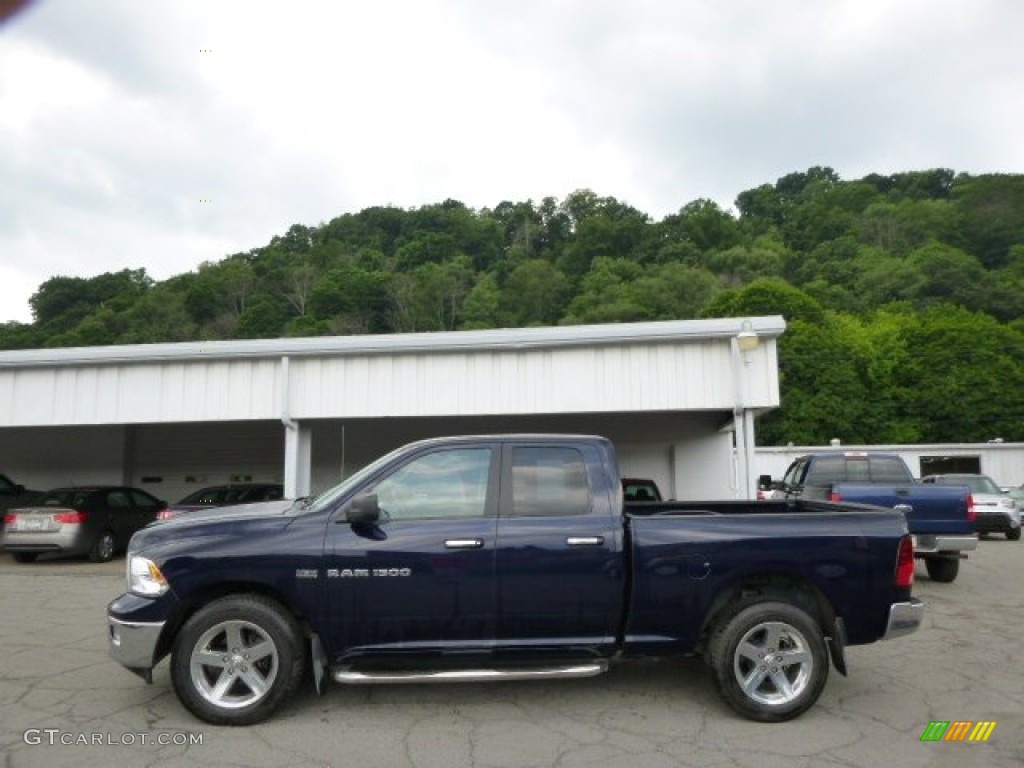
(236, 660)
(769, 660)
(943, 569)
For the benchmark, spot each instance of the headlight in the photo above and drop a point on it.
(144, 578)
(1009, 503)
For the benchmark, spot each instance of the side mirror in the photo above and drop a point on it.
(364, 509)
(764, 482)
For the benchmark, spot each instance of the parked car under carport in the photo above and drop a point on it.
(217, 496)
(96, 521)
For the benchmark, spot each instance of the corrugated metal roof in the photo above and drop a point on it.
(499, 339)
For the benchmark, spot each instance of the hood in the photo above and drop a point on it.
(232, 511)
(242, 521)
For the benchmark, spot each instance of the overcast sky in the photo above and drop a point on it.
(164, 133)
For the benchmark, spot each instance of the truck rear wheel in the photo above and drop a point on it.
(237, 660)
(769, 660)
(942, 569)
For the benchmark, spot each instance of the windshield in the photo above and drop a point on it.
(328, 497)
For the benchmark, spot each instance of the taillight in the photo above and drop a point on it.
(9, 518)
(164, 514)
(73, 518)
(971, 514)
(904, 576)
(833, 496)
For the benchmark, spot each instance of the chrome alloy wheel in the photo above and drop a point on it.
(233, 664)
(773, 663)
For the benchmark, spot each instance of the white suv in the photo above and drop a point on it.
(997, 512)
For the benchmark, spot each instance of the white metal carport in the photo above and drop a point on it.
(171, 417)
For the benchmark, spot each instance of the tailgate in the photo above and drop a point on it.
(929, 509)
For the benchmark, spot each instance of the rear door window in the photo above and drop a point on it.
(548, 481)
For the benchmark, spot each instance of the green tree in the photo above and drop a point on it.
(703, 225)
(602, 227)
(604, 296)
(766, 296)
(991, 208)
(482, 307)
(353, 298)
(430, 297)
(535, 293)
(740, 264)
(967, 371)
(674, 291)
(823, 394)
(61, 303)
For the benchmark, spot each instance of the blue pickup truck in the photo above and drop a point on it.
(507, 558)
(941, 519)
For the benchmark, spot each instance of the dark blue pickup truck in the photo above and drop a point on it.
(507, 558)
(941, 518)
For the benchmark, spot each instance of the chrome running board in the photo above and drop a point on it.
(352, 677)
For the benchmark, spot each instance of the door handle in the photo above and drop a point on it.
(463, 543)
(904, 508)
(585, 541)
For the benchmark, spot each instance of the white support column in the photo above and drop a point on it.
(298, 455)
(749, 457)
(298, 443)
(743, 418)
(739, 423)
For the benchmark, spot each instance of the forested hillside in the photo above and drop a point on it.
(904, 294)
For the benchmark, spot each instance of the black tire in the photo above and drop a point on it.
(228, 687)
(745, 644)
(24, 557)
(1013, 534)
(942, 569)
(103, 548)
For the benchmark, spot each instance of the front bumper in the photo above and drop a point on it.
(135, 627)
(133, 644)
(904, 618)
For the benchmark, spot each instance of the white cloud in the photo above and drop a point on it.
(118, 117)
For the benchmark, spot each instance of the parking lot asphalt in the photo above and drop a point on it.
(64, 702)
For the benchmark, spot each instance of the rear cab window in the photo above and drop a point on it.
(881, 470)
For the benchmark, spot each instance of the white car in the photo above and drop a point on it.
(997, 512)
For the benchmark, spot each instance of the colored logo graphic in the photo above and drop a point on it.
(958, 730)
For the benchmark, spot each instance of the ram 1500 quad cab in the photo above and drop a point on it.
(507, 558)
